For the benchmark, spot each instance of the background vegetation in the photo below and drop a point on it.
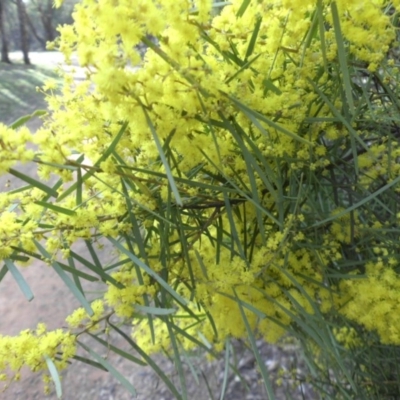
(28, 25)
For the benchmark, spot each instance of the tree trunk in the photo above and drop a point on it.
(46, 15)
(4, 44)
(34, 32)
(23, 31)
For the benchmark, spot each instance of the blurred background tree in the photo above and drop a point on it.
(4, 41)
(28, 25)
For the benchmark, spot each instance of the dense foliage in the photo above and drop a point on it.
(247, 174)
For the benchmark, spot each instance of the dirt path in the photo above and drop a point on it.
(52, 59)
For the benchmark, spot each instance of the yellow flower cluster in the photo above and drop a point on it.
(347, 336)
(13, 147)
(80, 318)
(123, 299)
(377, 294)
(30, 348)
(14, 232)
(108, 49)
(368, 30)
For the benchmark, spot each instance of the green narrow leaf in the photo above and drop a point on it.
(56, 165)
(103, 157)
(234, 49)
(239, 190)
(321, 26)
(185, 248)
(226, 55)
(244, 304)
(20, 189)
(359, 204)
(226, 369)
(269, 85)
(39, 185)
(211, 128)
(23, 120)
(55, 208)
(250, 165)
(116, 350)
(110, 369)
(177, 359)
(302, 291)
(66, 279)
(260, 362)
(219, 241)
(93, 253)
(283, 26)
(23, 285)
(54, 375)
(209, 390)
(190, 364)
(201, 263)
(149, 43)
(342, 57)
(149, 271)
(253, 38)
(219, 4)
(154, 310)
(163, 159)
(17, 257)
(137, 233)
(206, 343)
(149, 361)
(113, 144)
(89, 362)
(233, 55)
(314, 334)
(99, 271)
(346, 123)
(324, 334)
(267, 173)
(201, 185)
(310, 35)
(234, 233)
(203, 343)
(254, 116)
(243, 68)
(55, 187)
(79, 184)
(243, 8)
(76, 273)
(3, 272)
(393, 96)
(143, 188)
(73, 270)
(117, 264)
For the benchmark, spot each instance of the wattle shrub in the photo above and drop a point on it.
(246, 171)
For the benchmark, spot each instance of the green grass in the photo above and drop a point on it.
(18, 93)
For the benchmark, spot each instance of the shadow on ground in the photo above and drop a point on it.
(18, 90)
